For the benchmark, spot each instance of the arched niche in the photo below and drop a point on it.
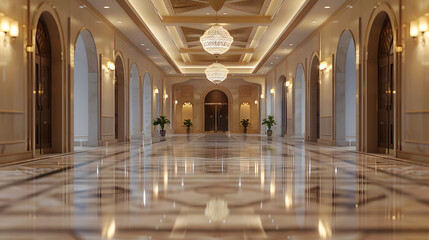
(345, 91)
(299, 100)
(147, 106)
(187, 111)
(86, 96)
(244, 111)
(119, 100)
(135, 103)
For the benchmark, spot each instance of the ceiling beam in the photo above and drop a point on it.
(134, 17)
(201, 50)
(173, 20)
(310, 4)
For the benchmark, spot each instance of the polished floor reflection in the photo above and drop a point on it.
(215, 187)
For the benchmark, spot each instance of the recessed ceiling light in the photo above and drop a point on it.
(119, 22)
(277, 57)
(82, 6)
(225, 13)
(285, 49)
(335, 21)
(147, 49)
(142, 44)
(314, 21)
(271, 63)
(350, 6)
(207, 13)
(327, 6)
(154, 57)
(99, 21)
(290, 44)
(165, 68)
(106, 7)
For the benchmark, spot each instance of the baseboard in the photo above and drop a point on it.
(15, 157)
(325, 142)
(421, 157)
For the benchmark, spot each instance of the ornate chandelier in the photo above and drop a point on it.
(216, 73)
(216, 40)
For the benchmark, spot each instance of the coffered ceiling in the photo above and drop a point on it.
(168, 31)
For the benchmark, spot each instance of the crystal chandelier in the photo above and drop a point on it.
(216, 40)
(216, 73)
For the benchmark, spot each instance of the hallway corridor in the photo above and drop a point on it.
(214, 187)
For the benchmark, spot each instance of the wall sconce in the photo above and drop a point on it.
(5, 25)
(29, 49)
(288, 83)
(110, 66)
(262, 95)
(176, 102)
(256, 102)
(414, 29)
(272, 91)
(165, 96)
(14, 29)
(156, 91)
(423, 25)
(323, 65)
(399, 48)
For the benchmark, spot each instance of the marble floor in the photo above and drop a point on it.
(215, 187)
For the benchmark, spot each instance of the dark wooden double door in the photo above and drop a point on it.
(43, 90)
(216, 117)
(385, 88)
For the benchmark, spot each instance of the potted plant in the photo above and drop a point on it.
(188, 124)
(161, 121)
(269, 121)
(245, 124)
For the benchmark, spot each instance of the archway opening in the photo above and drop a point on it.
(282, 111)
(119, 100)
(147, 106)
(314, 100)
(299, 87)
(86, 112)
(345, 91)
(48, 87)
(380, 86)
(216, 111)
(135, 103)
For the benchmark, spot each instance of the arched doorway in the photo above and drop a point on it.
(147, 106)
(48, 87)
(119, 100)
(345, 91)
(380, 90)
(299, 96)
(283, 105)
(86, 111)
(314, 100)
(216, 111)
(135, 103)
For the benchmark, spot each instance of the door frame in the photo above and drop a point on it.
(230, 102)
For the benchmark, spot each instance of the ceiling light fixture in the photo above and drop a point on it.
(327, 7)
(216, 40)
(106, 7)
(216, 73)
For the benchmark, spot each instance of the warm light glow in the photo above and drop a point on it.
(176, 102)
(110, 65)
(288, 201)
(166, 96)
(262, 95)
(423, 24)
(414, 29)
(156, 91)
(272, 91)
(288, 83)
(256, 101)
(14, 29)
(399, 48)
(323, 65)
(29, 49)
(216, 73)
(216, 210)
(5, 25)
(216, 40)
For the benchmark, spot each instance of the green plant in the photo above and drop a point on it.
(161, 121)
(187, 123)
(269, 121)
(245, 123)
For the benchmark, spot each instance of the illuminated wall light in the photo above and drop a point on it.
(323, 65)
(156, 91)
(256, 102)
(176, 102)
(14, 29)
(29, 49)
(423, 25)
(262, 95)
(414, 29)
(288, 83)
(399, 48)
(110, 66)
(5, 25)
(165, 96)
(272, 91)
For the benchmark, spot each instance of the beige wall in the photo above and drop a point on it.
(16, 108)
